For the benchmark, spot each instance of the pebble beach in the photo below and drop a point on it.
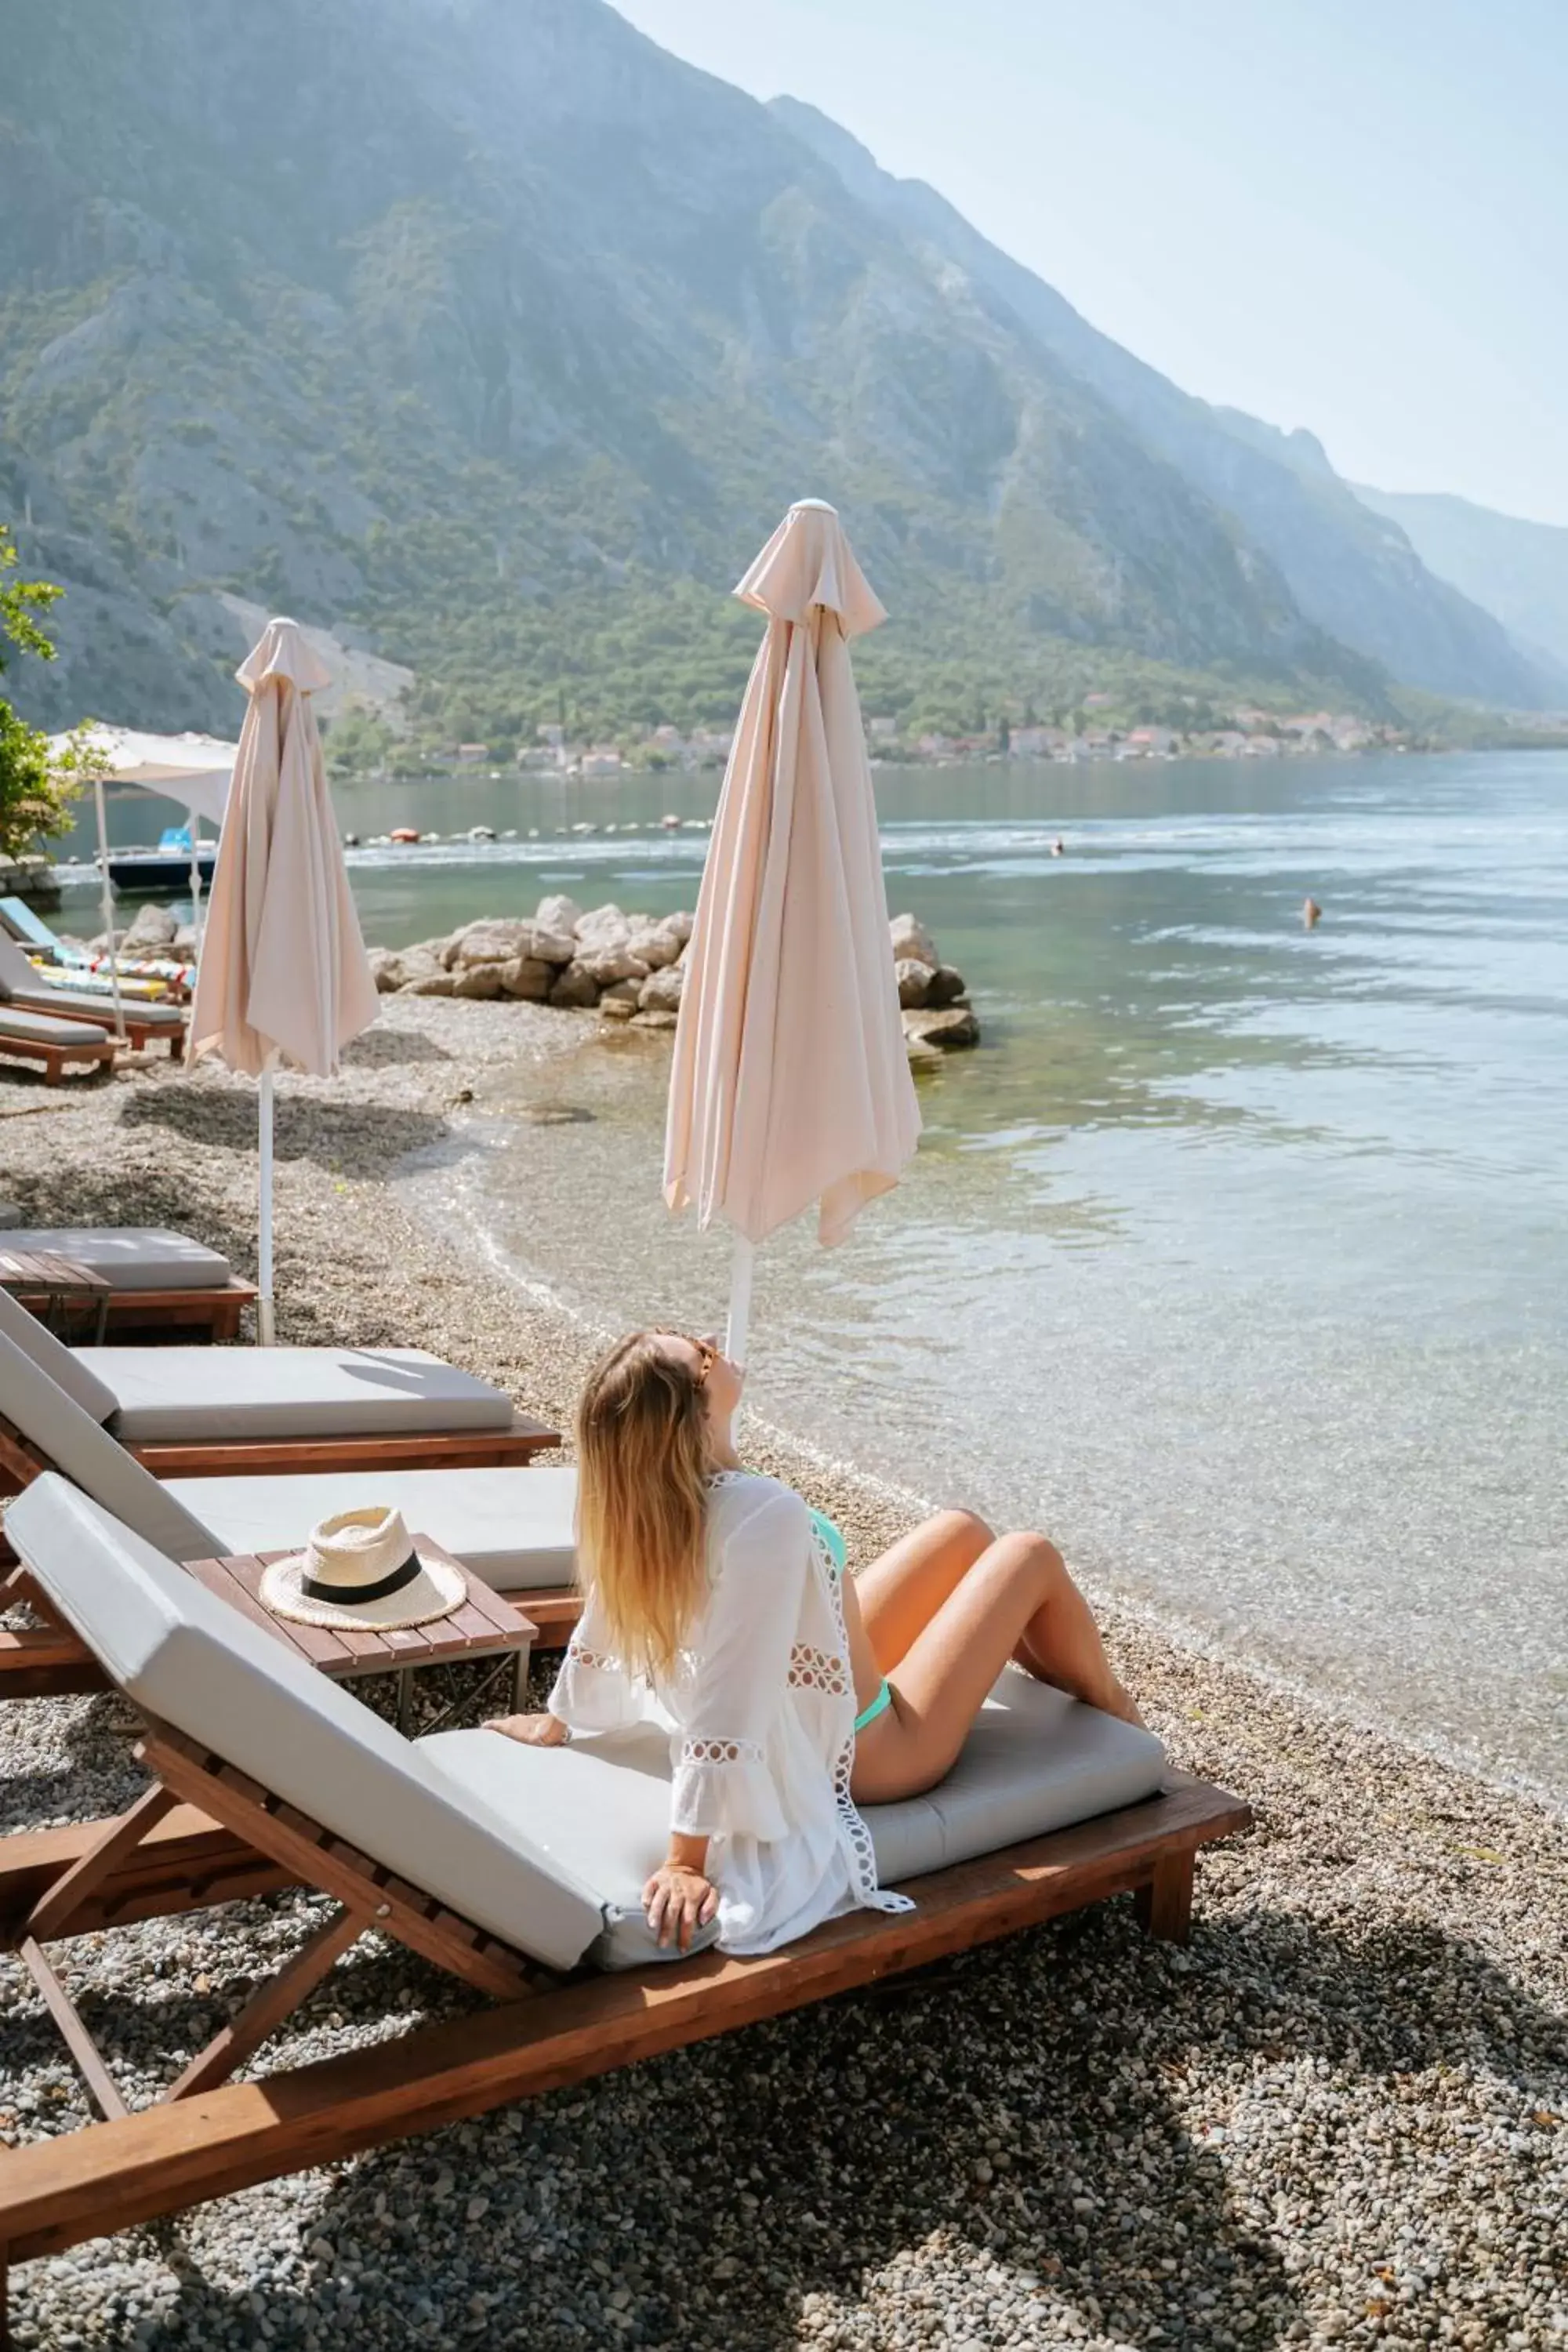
(1340, 2115)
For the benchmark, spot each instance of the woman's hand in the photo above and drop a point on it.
(532, 1730)
(679, 1900)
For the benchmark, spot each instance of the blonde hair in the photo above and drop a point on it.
(642, 1498)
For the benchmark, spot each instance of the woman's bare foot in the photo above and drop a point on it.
(1119, 1702)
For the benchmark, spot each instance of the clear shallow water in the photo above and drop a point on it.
(1238, 1255)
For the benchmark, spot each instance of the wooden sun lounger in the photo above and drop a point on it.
(55, 1056)
(140, 1032)
(147, 1318)
(204, 1833)
(468, 1449)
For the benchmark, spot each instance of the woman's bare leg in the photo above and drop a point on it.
(901, 1593)
(1017, 1597)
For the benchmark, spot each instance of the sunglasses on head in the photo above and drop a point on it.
(705, 1349)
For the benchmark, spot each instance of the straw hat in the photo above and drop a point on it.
(361, 1570)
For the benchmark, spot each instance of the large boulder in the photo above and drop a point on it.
(575, 987)
(914, 979)
(655, 948)
(956, 1027)
(617, 1008)
(911, 938)
(551, 946)
(153, 931)
(946, 986)
(661, 991)
(559, 913)
(609, 924)
(530, 979)
(679, 925)
(483, 980)
(610, 964)
(432, 981)
(385, 969)
(655, 1019)
(418, 963)
(495, 939)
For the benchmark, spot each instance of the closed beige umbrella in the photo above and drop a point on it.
(283, 977)
(791, 1084)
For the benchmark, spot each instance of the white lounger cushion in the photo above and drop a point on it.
(512, 1526)
(181, 1653)
(37, 1029)
(132, 1258)
(1035, 1762)
(184, 1395)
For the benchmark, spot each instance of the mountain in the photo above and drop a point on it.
(494, 338)
(1518, 571)
(1360, 581)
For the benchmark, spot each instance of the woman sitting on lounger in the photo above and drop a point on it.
(715, 1601)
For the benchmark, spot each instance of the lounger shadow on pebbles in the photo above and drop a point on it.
(516, 1869)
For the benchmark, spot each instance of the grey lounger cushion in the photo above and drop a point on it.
(71, 1003)
(23, 1027)
(1035, 1761)
(515, 1536)
(58, 1427)
(132, 1258)
(184, 1655)
(513, 1526)
(62, 1368)
(182, 1395)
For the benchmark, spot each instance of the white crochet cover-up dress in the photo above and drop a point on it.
(761, 1713)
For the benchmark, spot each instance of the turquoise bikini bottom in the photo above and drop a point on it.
(838, 1552)
(880, 1705)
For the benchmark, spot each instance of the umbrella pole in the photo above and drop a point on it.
(197, 881)
(265, 1332)
(107, 892)
(740, 1326)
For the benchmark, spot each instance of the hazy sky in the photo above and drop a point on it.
(1346, 213)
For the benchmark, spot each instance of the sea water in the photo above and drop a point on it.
(1235, 1258)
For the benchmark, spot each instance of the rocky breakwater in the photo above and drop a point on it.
(631, 968)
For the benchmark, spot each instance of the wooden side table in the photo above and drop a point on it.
(486, 1626)
(45, 1282)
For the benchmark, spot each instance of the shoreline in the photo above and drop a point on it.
(1160, 1624)
(1334, 2099)
(439, 1190)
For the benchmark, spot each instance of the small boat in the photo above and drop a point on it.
(403, 833)
(167, 868)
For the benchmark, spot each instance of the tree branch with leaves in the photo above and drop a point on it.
(34, 797)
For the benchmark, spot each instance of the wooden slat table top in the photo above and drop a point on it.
(47, 1270)
(485, 1624)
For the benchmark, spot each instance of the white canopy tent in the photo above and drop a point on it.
(195, 769)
